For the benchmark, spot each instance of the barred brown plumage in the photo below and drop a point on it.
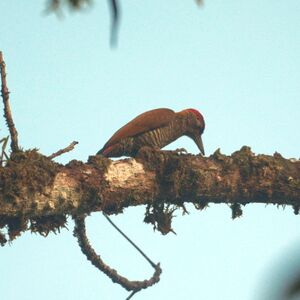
(156, 129)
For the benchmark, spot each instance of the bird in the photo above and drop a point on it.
(155, 129)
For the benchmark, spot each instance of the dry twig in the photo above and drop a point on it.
(7, 111)
(64, 150)
(3, 153)
(114, 7)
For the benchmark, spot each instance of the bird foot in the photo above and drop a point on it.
(156, 155)
(180, 151)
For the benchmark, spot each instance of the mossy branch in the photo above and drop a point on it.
(32, 186)
(38, 194)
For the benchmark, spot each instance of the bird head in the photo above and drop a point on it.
(195, 126)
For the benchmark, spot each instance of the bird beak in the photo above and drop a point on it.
(199, 143)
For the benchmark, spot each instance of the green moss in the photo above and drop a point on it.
(74, 163)
(217, 155)
(15, 226)
(44, 225)
(160, 216)
(244, 158)
(296, 209)
(176, 181)
(201, 204)
(25, 173)
(28, 171)
(236, 210)
(3, 239)
(100, 162)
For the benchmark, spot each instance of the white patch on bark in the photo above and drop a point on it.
(64, 187)
(121, 173)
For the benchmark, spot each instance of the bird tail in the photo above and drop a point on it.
(105, 151)
(99, 152)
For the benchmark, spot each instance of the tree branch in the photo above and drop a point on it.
(114, 7)
(87, 249)
(7, 110)
(38, 194)
(64, 150)
(31, 185)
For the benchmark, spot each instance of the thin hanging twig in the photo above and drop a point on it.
(131, 295)
(95, 259)
(7, 111)
(130, 241)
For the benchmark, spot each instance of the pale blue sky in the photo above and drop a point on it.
(237, 62)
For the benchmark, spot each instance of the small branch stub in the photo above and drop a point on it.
(7, 111)
(62, 151)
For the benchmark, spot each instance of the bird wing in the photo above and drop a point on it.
(146, 121)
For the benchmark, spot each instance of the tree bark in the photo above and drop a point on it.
(38, 194)
(32, 186)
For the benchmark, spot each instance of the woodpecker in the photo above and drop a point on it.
(156, 129)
